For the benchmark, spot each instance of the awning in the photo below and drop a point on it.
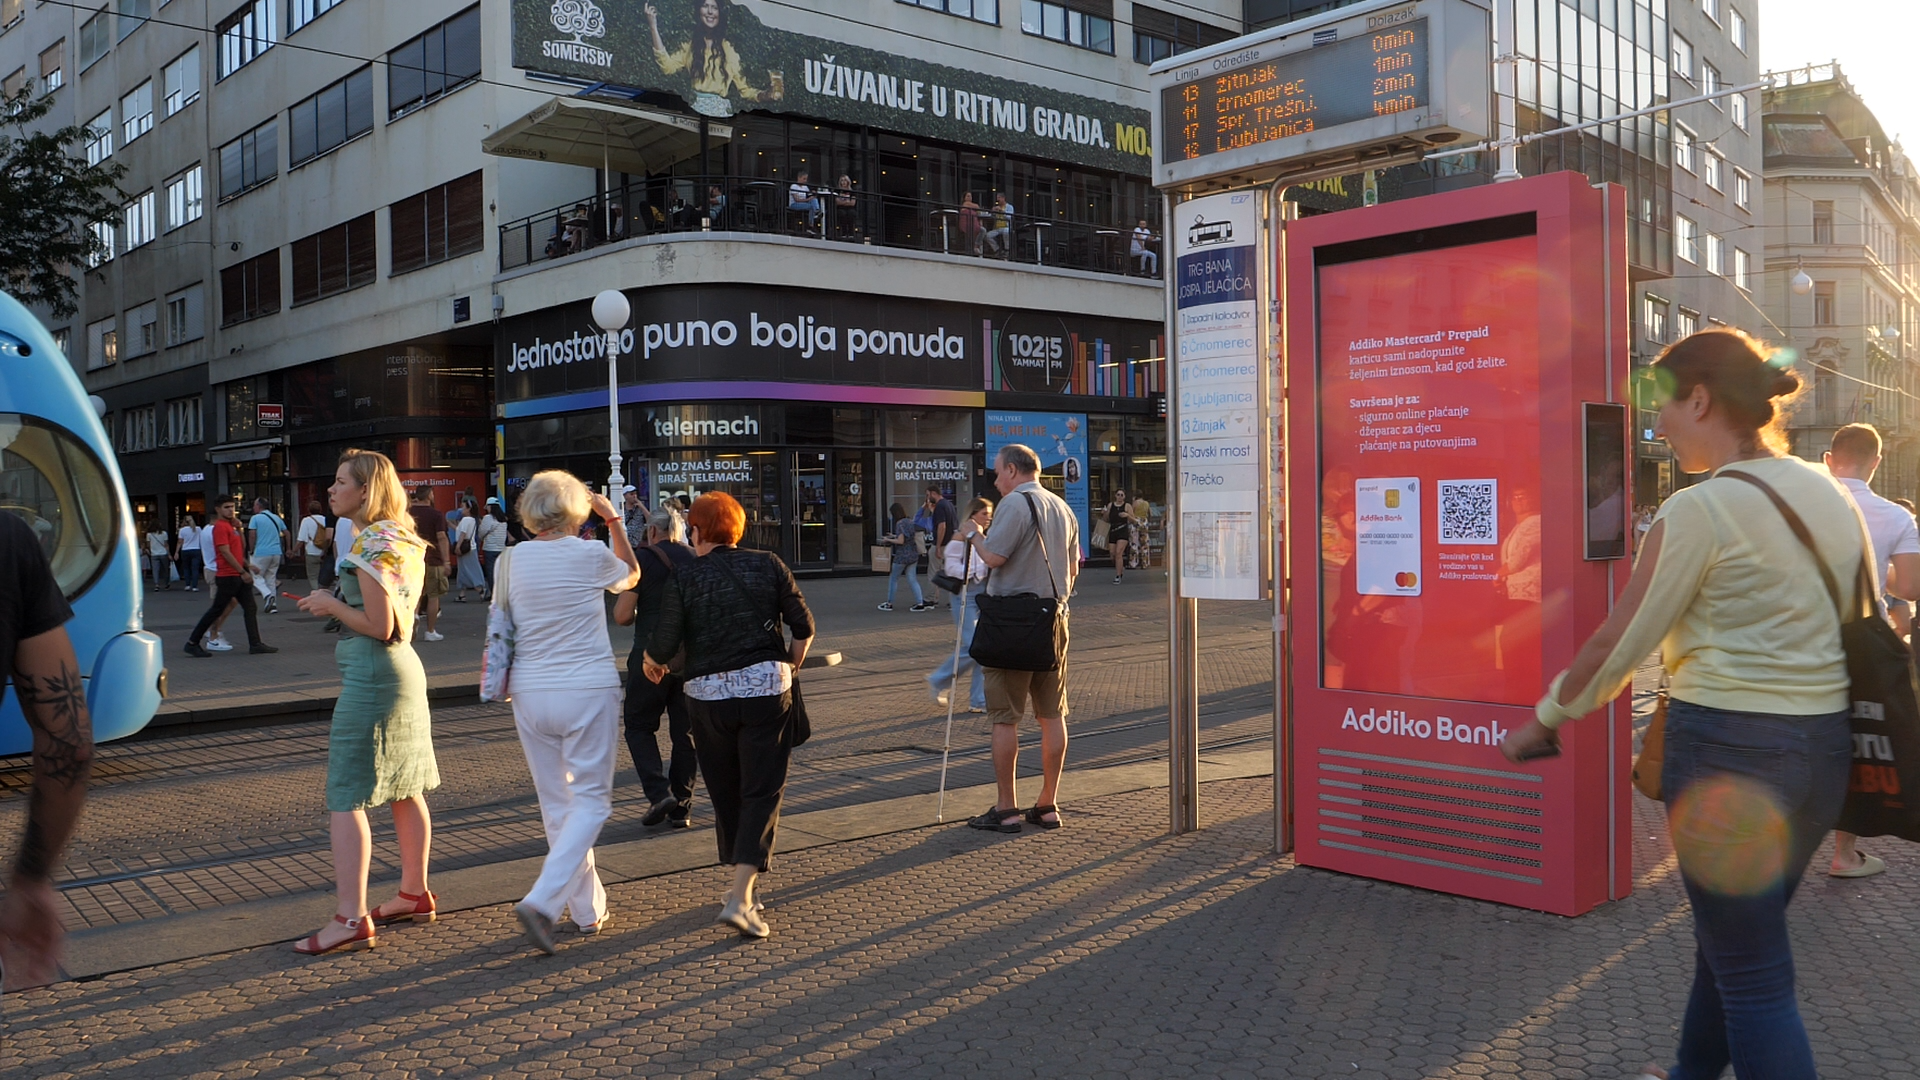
(256, 450)
(597, 134)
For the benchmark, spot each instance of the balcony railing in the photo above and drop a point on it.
(752, 205)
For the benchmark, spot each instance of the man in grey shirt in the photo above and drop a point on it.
(1014, 551)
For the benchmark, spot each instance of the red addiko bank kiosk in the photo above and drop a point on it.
(1457, 525)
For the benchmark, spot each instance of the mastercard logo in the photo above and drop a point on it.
(1406, 579)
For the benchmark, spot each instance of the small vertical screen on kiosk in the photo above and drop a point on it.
(1606, 488)
(1430, 479)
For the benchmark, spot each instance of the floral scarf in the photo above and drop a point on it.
(389, 555)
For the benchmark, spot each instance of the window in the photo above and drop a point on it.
(249, 161)
(186, 316)
(1654, 314)
(250, 289)
(1742, 268)
(1686, 323)
(1823, 222)
(184, 426)
(11, 11)
(1682, 148)
(1686, 236)
(438, 62)
(143, 329)
(1711, 170)
(94, 39)
(1682, 58)
(1086, 23)
(986, 11)
(137, 429)
(1823, 307)
(61, 338)
(186, 198)
(1159, 34)
(438, 224)
(1737, 28)
(103, 344)
(103, 235)
(333, 261)
(140, 223)
(1742, 190)
(329, 118)
(1716, 250)
(51, 76)
(1710, 83)
(302, 12)
(180, 81)
(1711, 8)
(100, 137)
(15, 84)
(136, 112)
(133, 15)
(247, 33)
(1737, 108)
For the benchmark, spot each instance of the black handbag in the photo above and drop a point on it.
(1023, 632)
(799, 726)
(1884, 700)
(943, 580)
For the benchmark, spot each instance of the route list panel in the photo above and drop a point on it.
(1430, 473)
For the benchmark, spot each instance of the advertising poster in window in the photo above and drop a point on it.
(1217, 407)
(1430, 473)
(1061, 441)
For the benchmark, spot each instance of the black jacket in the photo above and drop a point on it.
(656, 576)
(723, 630)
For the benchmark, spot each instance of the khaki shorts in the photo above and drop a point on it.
(1008, 693)
(435, 584)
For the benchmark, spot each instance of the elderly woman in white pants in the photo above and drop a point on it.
(565, 690)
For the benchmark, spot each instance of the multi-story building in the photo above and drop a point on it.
(1843, 266)
(360, 224)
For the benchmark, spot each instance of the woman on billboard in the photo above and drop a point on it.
(1758, 747)
(711, 62)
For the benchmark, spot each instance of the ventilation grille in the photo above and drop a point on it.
(1481, 821)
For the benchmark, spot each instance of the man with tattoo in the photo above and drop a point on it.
(46, 675)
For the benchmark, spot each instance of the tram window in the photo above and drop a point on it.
(62, 491)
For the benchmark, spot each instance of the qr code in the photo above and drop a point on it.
(1469, 512)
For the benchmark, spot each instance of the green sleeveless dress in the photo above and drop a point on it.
(381, 748)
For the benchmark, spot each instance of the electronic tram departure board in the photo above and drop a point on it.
(1374, 74)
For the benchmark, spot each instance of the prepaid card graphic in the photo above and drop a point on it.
(1387, 536)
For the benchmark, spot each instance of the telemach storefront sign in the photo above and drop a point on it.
(722, 59)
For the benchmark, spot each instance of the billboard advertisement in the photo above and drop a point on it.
(1061, 441)
(1219, 394)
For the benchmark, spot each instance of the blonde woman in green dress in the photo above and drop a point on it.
(381, 748)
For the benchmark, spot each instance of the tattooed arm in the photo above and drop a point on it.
(46, 675)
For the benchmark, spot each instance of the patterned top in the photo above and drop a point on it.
(768, 678)
(392, 557)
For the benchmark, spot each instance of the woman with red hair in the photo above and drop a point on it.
(726, 610)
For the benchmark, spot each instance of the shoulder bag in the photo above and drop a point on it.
(497, 662)
(799, 725)
(937, 572)
(1885, 701)
(1023, 632)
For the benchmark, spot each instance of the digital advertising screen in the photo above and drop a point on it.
(1430, 474)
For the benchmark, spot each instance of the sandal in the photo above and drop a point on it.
(424, 909)
(1034, 817)
(361, 938)
(995, 820)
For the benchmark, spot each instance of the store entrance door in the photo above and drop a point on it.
(813, 514)
(852, 492)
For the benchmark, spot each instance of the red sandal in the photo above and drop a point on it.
(424, 910)
(362, 938)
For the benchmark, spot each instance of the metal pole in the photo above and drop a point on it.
(1505, 78)
(1282, 213)
(615, 481)
(1183, 619)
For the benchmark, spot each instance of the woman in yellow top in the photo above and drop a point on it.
(711, 61)
(1758, 747)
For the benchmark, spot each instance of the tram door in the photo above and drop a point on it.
(813, 514)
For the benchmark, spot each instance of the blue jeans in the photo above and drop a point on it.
(1749, 797)
(948, 674)
(908, 568)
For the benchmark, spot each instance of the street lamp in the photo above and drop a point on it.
(610, 313)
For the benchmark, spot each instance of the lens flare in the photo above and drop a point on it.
(1730, 833)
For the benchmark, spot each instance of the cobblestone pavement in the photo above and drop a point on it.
(1105, 949)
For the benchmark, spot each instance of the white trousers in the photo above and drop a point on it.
(569, 738)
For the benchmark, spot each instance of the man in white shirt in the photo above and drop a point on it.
(313, 538)
(1896, 567)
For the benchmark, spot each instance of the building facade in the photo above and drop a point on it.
(1845, 201)
(354, 224)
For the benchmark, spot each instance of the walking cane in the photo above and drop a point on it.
(953, 691)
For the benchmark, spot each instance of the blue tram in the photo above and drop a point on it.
(57, 472)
